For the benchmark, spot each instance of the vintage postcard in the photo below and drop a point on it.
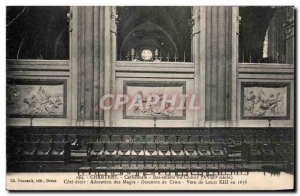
(138, 98)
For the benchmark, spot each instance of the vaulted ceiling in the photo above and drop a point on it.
(164, 28)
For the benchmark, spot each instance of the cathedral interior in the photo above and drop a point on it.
(68, 67)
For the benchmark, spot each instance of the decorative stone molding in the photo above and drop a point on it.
(290, 23)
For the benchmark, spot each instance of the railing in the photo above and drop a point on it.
(148, 56)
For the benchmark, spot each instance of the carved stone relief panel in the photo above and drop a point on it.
(36, 98)
(142, 103)
(265, 100)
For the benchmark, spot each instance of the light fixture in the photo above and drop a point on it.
(146, 55)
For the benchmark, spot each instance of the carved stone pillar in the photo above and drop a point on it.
(93, 57)
(212, 55)
(215, 60)
(218, 63)
(198, 54)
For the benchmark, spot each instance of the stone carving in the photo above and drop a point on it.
(149, 100)
(35, 100)
(289, 25)
(265, 102)
(154, 109)
(13, 94)
(43, 103)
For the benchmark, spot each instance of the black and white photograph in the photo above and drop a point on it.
(156, 98)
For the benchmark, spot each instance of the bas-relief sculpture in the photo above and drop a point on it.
(154, 109)
(264, 102)
(161, 109)
(35, 100)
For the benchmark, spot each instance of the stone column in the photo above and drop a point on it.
(198, 54)
(218, 63)
(92, 61)
(235, 18)
(213, 60)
